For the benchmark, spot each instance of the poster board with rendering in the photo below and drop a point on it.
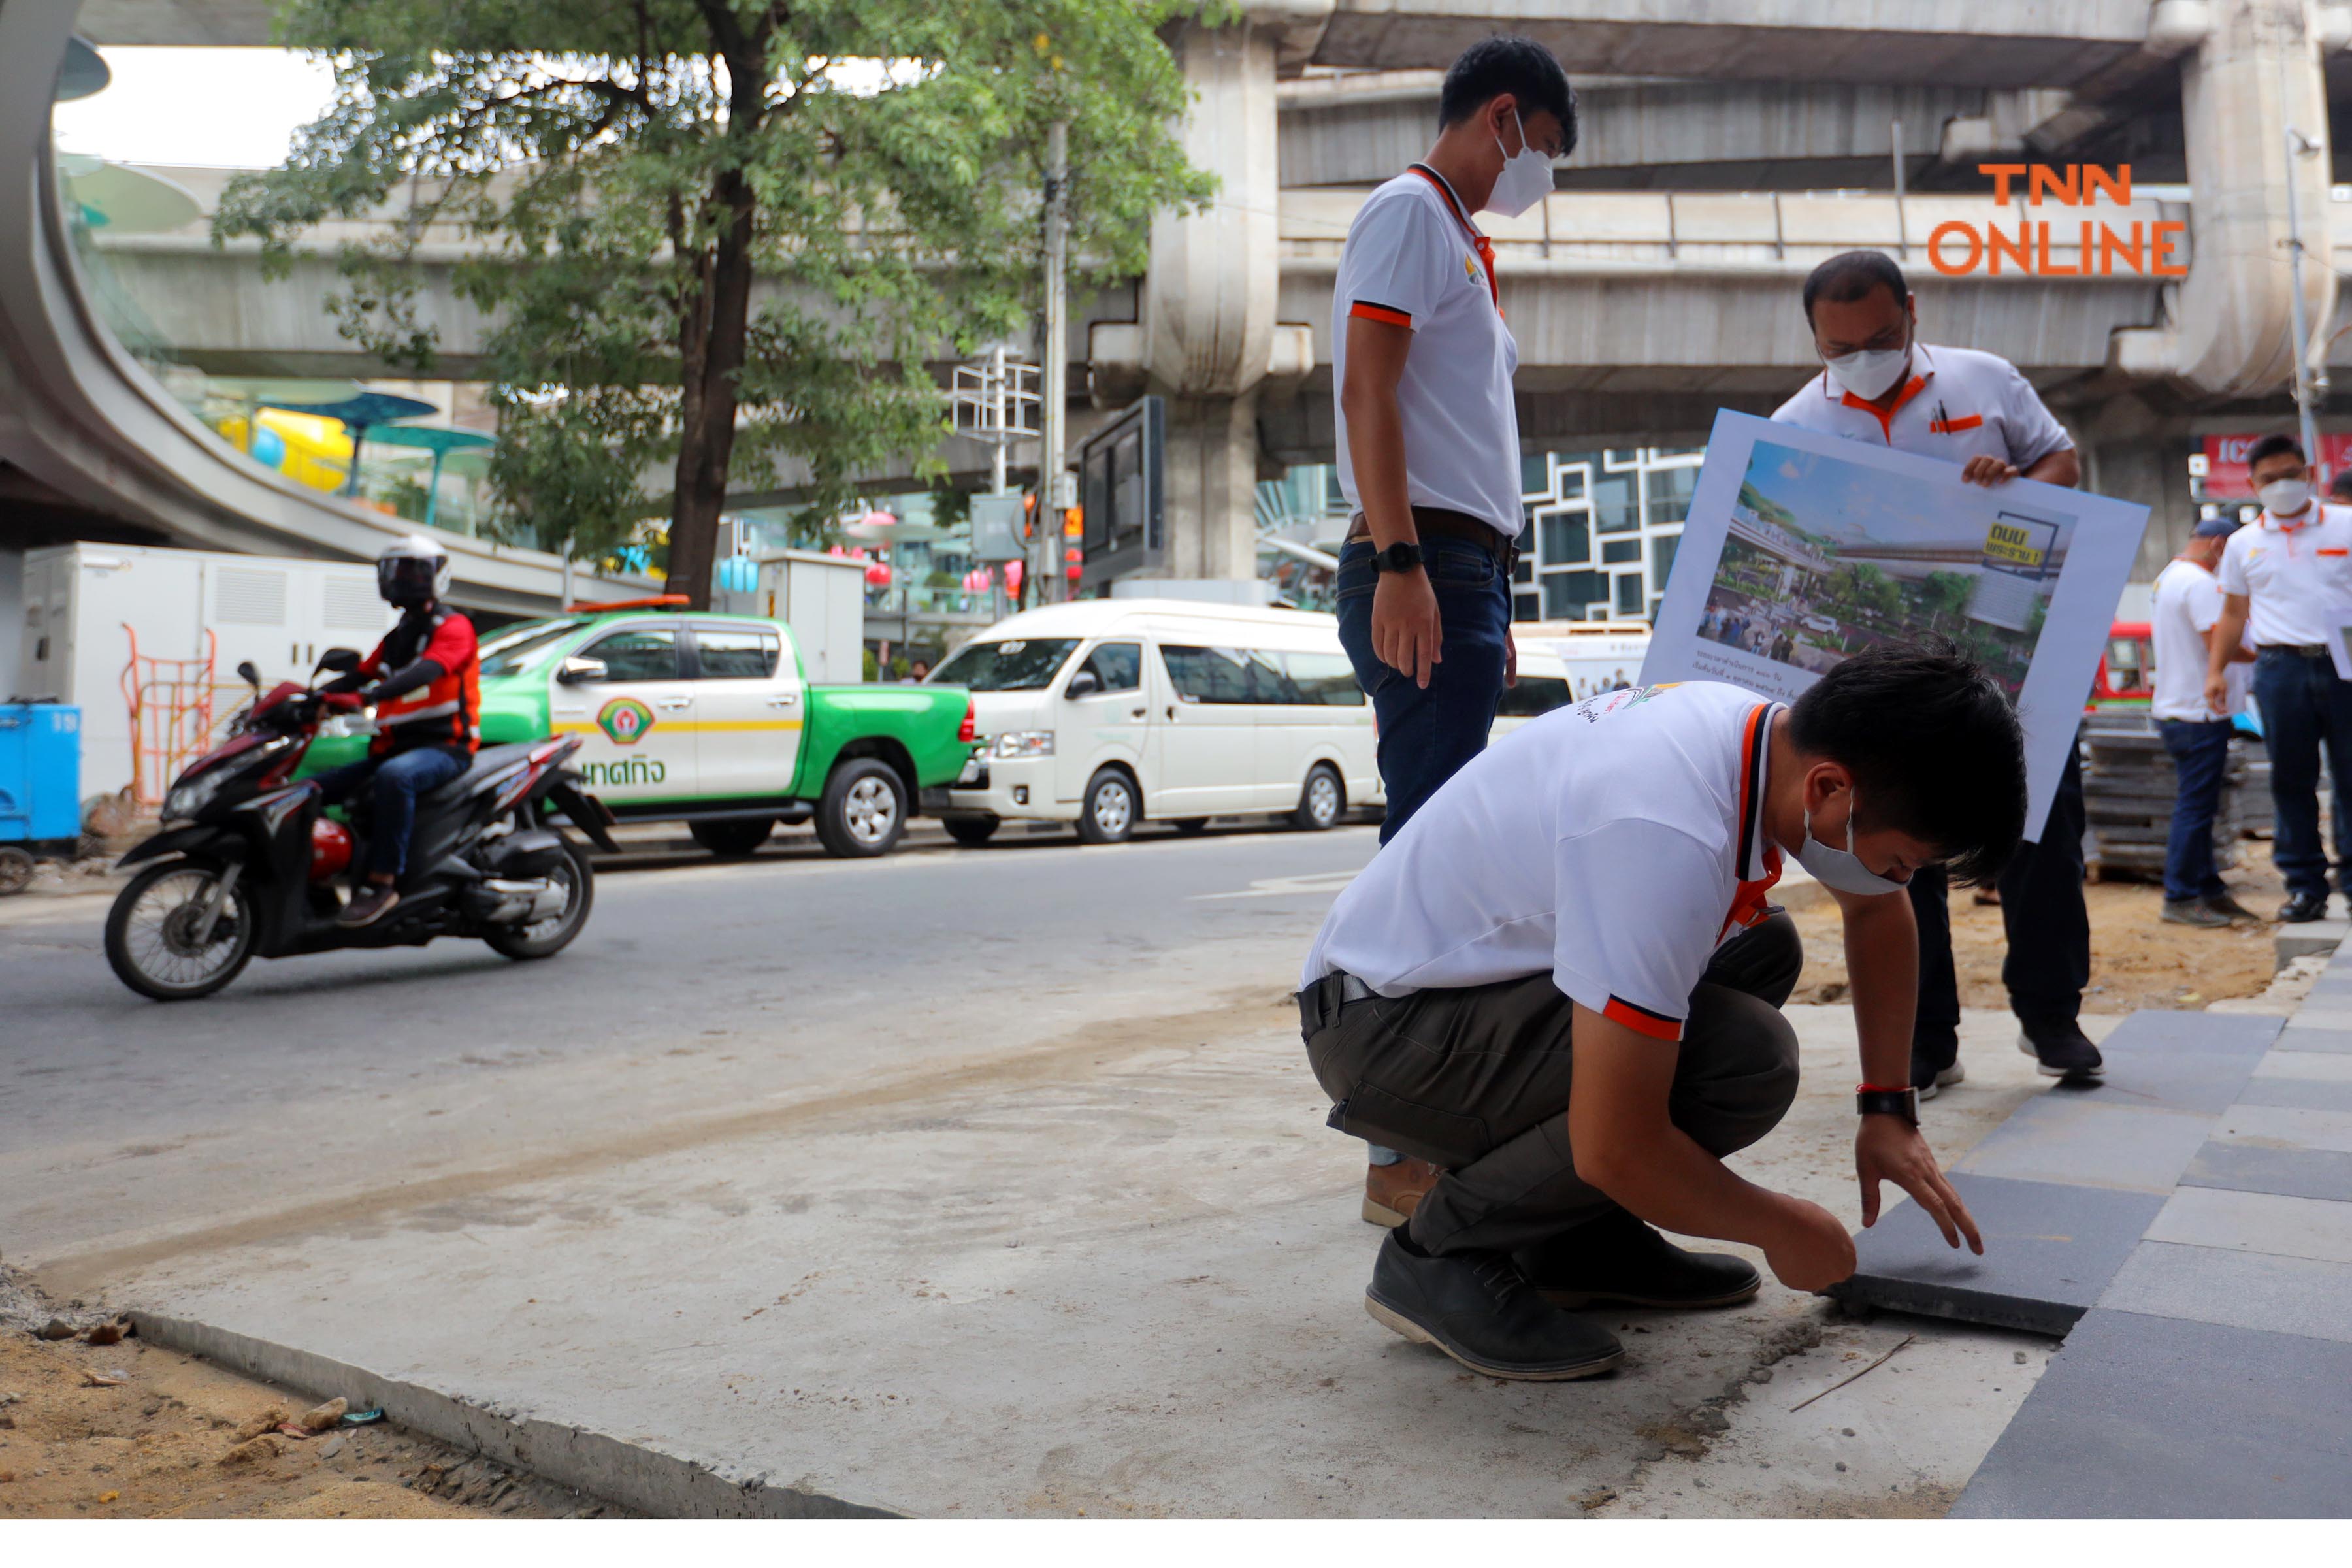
(1801, 549)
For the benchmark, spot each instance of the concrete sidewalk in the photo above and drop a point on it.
(1118, 1272)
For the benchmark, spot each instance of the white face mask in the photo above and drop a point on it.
(1841, 868)
(2285, 498)
(1526, 178)
(1868, 373)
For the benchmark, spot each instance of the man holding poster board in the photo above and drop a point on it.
(1847, 556)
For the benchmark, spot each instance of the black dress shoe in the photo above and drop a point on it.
(2302, 909)
(1478, 1308)
(1618, 1259)
(2063, 1050)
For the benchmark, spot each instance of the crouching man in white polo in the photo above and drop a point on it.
(1561, 981)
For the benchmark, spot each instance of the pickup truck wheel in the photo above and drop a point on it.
(1321, 801)
(732, 840)
(863, 809)
(970, 831)
(1108, 814)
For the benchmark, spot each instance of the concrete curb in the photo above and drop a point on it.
(661, 1485)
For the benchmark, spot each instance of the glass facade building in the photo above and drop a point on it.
(1600, 532)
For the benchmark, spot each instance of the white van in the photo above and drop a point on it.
(1109, 712)
(1562, 662)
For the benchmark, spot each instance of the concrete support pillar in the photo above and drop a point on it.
(2130, 452)
(1211, 486)
(1208, 302)
(2253, 73)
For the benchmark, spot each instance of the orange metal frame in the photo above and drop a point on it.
(170, 703)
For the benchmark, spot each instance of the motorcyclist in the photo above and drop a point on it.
(422, 680)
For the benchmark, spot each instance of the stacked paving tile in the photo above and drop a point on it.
(2187, 1227)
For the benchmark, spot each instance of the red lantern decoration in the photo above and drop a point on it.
(878, 575)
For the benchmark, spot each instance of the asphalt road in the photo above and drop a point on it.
(128, 1127)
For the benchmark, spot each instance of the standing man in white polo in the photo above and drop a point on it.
(2290, 578)
(1429, 443)
(2185, 620)
(1880, 383)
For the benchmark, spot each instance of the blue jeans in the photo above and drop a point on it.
(399, 780)
(1426, 734)
(2201, 754)
(2304, 709)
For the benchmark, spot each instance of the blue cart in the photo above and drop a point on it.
(40, 787)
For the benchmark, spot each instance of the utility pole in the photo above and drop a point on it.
(2298, 147)
(1052, 487)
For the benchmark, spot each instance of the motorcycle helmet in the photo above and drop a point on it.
(412, 571)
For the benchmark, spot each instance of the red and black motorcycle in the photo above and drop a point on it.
(247, 863)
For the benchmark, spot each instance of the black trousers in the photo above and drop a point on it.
(2043, 916)
(1476, 1079)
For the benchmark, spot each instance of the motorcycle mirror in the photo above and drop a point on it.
(577, 671)
(341, 660)
(247, 673)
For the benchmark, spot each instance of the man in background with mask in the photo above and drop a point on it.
(1429, 443)
(1880, 383)
(2184, 617)
(2290, 577)
(1562, 982)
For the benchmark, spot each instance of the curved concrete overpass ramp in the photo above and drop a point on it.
(92, 445)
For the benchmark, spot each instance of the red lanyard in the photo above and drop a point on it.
(1478, 242)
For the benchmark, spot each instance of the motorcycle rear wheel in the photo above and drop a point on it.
(553, 936)
(147, 938)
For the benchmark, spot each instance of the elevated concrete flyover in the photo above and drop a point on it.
(1358, 129)
(1638, 315)
(1984, 43)
(91, 443)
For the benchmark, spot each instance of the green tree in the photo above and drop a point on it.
(1947, 594)
(718, 235)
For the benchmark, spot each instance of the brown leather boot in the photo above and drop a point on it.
(1392, 1191)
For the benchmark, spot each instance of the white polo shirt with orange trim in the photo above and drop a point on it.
(1958, 404)
(2296, 575)
(1615, 845)
(1414, 260)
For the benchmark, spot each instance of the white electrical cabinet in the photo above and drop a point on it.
(822, 599)
(84, 604)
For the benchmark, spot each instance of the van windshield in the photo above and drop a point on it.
(514, 647)
(1017, 664)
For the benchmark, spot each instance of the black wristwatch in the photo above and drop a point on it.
(1397, 557)
(1872, 1101)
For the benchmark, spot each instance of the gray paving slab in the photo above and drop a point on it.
(2291, 942)
(2280, 1127)
(2050, 1249)
(2252, 1168)
(2304, 1296)
(2308, 1017)
(2064, 1137)
(2298, 1093)
(2305, 1065)
(2157, 1029)
(2257, 1222)
(2296, 1037)
(2151, 1417)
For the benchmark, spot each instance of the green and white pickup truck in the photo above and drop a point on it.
(707, 719)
